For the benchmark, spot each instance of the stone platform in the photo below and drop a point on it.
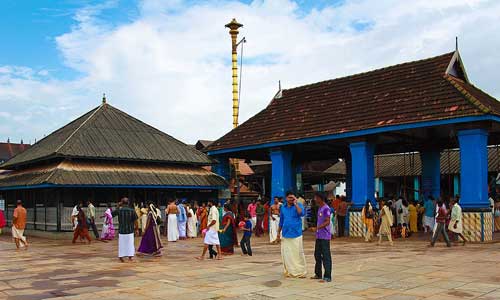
(409, 270)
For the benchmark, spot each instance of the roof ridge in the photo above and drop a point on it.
(79, 127)
(372, 71)
(473, 100)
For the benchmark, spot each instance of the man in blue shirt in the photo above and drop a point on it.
(290, 231)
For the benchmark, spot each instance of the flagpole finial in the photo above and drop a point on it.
(103, 98)
(456, 43)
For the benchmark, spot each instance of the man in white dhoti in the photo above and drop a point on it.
(172, 226)
(18, 225)
(181, 220)
(290, 231)
(212, 235)
(274, 221)
(126, 219)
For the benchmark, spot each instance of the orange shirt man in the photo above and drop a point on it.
(18, 225)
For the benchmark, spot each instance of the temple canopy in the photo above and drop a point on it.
(400, 106)
(424, 106)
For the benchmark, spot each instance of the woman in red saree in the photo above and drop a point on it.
(266, 217)
(227, 235)
(202, 215)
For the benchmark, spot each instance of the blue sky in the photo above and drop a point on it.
(167, 61)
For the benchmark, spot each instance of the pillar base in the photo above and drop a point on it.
(356, 225)
(478, 226)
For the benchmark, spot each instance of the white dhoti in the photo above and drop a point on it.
(173, 230)
(273, 228)
(19, 234)
(292, 254)
(126, 247)
(254, 222)
(182, 229)
(191, 228)
(211, 237)
(429, 221)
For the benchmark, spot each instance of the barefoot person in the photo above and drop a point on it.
(150, 242)
(126, 226)
(456, 223)
(18, 225)
(82, 229)
(212, 235)
(387, 220)
(274, 221)
(290, 229)
(322, 253)
(173, 228)
(91, 218)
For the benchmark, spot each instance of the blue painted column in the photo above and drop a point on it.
(282, 172)
(431, 173)
(456, 185)
(473, 168)
(348, 179)
(478, 219)
(416, 187)
(362, 173)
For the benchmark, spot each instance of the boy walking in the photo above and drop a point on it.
(247, 234)
(322, 253)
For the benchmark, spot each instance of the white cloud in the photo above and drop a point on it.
(170, 65)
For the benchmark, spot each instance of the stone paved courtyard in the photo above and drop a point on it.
(409, 270)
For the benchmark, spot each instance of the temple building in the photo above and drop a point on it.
(103, 155)
(424, 106)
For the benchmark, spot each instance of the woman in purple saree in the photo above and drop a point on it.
(108, 230)
(150, 242)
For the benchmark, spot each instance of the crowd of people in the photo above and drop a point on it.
(284, 219)
(398, 218)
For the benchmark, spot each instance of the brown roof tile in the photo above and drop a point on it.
(401, 94)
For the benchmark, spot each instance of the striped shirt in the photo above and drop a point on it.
(126, 219)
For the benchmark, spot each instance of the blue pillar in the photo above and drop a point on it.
(473, 168)
(281, 172)
(416, 187)
(348, 179)
(456, 185)
(431, 173)
(362, 173)
(222, 167)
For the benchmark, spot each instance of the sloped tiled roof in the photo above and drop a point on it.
(406, 93)
(399, 165)
(109, 133)
(8, 150)
(83, 173)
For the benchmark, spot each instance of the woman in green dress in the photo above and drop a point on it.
(227, 235)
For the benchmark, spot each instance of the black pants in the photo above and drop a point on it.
(212, 252)
(323, 257)
(245, 245)
(94, 228)
(341, 224)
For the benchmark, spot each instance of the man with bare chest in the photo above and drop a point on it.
(274, 221)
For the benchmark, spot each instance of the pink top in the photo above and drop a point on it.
(252, 207)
